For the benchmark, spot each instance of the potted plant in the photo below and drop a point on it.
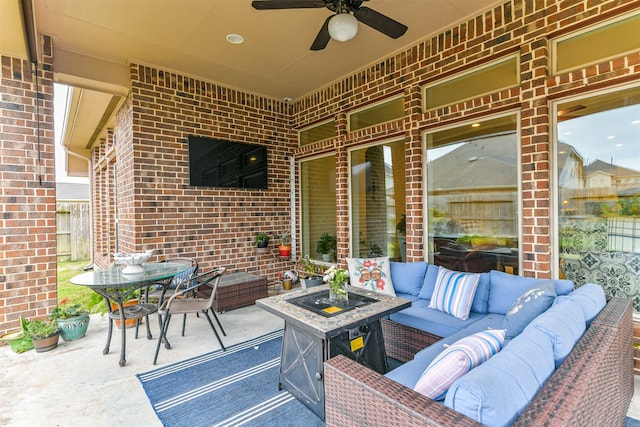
(285, 244)
(311, 277)
(71, 319)
(325, 245)
(43, 333)
(261, 241)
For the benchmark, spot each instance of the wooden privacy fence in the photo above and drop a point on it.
(73, 233)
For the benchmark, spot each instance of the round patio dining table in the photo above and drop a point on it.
(117, 288)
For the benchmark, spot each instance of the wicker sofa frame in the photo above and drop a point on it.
(594, 386)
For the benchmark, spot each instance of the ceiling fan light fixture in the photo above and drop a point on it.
(343, 27)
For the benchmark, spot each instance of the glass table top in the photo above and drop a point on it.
(113, 276)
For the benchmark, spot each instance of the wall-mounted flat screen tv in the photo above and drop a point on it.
(226, 164)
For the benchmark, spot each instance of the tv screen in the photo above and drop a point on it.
(226, 164)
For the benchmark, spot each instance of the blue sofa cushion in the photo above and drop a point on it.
(506, 288)
(564, 324)
(420, 316)
(481, 300)
(408, 277)
(528, 306)
(591, 299)
(499, 390)
(429, 282)
(454, 292)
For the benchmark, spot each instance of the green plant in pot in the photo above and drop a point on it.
(262, 242)
(72, 320)
(285, 244)
(311, 277)
(43, 333)
(325, 245)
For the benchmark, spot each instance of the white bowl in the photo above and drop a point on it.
(132, 259)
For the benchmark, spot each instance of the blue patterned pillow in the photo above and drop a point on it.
(526, 308)
(454, 292)
(457, 360)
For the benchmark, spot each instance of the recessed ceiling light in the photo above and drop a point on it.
(611, 137)
(286, 99)
(619, 145)
(235, 38)
(475, 125)
(635, 122)
(568, 133)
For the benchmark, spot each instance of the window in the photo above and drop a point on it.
(595, 45)
(376, 114)
(317, 202)
(489, 78)
(378, 201)
(472, 196)
(597, 157)
(319, 132)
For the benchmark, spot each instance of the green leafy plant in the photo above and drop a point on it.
(308, 267)
(37, 329)
(65, 311)
(285, 238)
(326, 243)
(337, 279)
(262, 240)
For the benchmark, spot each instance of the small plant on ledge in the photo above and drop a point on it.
(261, 241)
(285, 244)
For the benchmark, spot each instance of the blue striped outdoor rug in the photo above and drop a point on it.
(232, 388)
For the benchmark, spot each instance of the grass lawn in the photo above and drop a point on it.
(76, 294)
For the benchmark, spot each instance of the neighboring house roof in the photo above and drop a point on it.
(609, 169)
(481, 163)
(72, 191)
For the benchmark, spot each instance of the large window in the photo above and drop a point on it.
(378, 201)
(598, 191)
(318, 203)
(472, 196)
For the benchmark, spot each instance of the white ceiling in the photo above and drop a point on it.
(94, 40)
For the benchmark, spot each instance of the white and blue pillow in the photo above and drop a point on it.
(457, 360)
(528, 306)
(453, 293)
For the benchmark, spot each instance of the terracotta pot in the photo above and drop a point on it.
(285, 250)
(46, 343)
(129, 323)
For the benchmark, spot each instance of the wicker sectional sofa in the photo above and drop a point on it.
(587, 383)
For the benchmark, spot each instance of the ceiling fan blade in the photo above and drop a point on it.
(323, 37)
(380, 22)
(287, 4)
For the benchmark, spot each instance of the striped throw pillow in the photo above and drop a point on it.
(454, 292)
(457, 360)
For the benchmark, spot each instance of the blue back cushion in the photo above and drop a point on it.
(408, 277)
(564, 324)
(481, 300)
(589, 297)
(429, 283)
(506, 288)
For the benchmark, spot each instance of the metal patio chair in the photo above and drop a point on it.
(185, 301)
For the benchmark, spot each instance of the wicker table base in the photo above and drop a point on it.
(239, 290)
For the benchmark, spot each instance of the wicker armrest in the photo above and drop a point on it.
(358, 396)
(402, 342)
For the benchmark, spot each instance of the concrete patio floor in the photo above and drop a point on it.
(76, 385)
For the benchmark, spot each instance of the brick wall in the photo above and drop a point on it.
(27, 196)
(156, 207)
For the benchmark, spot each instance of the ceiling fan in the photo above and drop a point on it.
(343, 25)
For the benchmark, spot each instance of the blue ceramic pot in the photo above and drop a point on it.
(73, 328)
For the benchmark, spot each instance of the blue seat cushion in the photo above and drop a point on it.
(408, 277)
(589, 297)
(420, 316)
